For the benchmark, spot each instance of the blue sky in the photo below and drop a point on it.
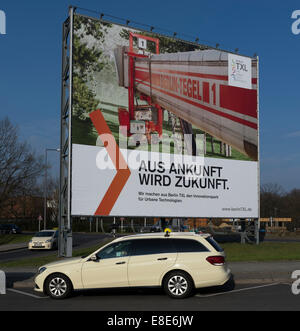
(30, 65)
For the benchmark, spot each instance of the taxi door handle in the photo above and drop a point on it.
(162, 259)
(120, 262)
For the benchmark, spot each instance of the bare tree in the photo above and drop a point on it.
(271, 199)
(20, 167)
(272, 188)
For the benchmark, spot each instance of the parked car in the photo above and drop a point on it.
(145, 229)
(155, 228)
(177, 262)
(9, 229)
(46, 239)
(223, 237)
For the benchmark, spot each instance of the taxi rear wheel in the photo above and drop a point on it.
(178, 285)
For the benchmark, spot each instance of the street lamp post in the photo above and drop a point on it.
(45, 182)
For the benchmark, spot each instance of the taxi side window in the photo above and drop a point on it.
(116, 250)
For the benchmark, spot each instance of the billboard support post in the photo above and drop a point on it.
(258, 163)
(257, 228)
(65, 228)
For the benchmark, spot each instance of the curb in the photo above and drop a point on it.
(10, 249)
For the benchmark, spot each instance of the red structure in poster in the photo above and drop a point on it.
(139, 118)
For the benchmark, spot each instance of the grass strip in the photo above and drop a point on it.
(6, 239)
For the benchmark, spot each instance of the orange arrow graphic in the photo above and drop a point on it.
(123, 172)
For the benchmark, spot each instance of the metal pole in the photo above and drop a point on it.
(65, 226)
(101, 223)
(64, 138)
(114, 228)
(132, 227)
(69, 238)
(45, 182)
(45, 190)
(271, 220)
(257, 228)
(67, 230)
(258, 151)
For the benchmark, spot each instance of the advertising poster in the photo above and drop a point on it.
(161, 127)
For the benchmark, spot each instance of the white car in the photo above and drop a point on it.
(46, 239)
(177, 262)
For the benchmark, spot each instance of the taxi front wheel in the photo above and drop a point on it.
(58, 286)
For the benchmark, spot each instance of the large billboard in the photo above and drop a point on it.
(160, 126)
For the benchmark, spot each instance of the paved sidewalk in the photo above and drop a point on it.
(263, 272)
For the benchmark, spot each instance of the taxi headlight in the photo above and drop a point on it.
(42, 269)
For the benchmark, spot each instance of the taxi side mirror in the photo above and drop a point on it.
(94, 258)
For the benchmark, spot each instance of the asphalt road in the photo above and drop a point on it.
(266, 297)
(80, 240)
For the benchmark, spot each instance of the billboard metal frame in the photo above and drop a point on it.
(65, 217)
(257, 221)
(65, 223)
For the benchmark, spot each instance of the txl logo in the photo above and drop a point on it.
(241, 67)
(296, 24)
(2, 22)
